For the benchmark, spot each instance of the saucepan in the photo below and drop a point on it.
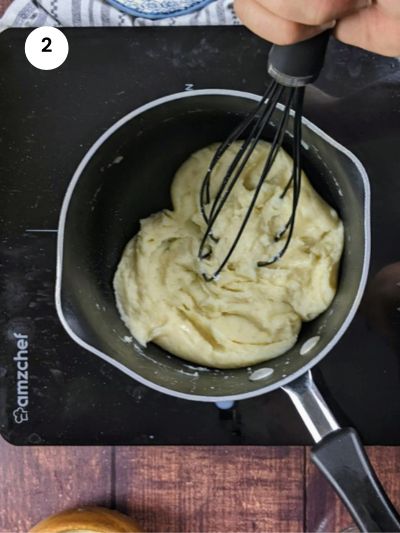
(125, 177)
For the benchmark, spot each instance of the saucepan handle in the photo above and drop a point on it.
(340, 456)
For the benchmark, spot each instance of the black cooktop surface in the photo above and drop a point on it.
(49, 119)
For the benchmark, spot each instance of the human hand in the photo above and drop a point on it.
(370, 24)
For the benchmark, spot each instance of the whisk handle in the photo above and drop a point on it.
(296, 65)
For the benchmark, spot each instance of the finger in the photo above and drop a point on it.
(272, 27)
(371, 29)
(390, 8)
(313, 12)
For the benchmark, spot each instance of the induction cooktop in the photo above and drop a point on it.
(54, 392)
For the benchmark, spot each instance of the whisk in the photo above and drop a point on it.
(292, 67)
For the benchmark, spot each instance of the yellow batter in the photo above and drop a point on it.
(249, 314)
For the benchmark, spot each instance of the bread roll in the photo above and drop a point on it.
(87, 520)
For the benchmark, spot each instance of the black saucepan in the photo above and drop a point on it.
(126, 176)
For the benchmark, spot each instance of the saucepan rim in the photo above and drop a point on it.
(214, 398)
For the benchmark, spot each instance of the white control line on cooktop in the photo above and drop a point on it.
(41, 231)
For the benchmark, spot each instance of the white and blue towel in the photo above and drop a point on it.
(159, 9)
(29, 13)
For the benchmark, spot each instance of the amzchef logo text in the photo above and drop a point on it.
(21, 413)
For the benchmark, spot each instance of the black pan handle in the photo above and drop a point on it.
(341, 458)
(339, 454)
(295, 65)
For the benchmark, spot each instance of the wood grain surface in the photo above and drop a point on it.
(212, 488)
(39, 481)
(182, 489)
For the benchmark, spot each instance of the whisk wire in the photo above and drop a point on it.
(295, 179)
(244, 153)
(261, 116)
(242, 157)
(236, 133)
(276, 143)
(238, 164)
(292, 68)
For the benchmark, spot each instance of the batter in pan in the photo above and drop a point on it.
(249, 314)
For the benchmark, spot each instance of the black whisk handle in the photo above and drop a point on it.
(296, 65)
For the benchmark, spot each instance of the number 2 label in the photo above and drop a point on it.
(46, 48)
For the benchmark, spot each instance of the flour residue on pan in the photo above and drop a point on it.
(261, 373)
(140, 350)
(309, 345)
(198, 368)
(195, 375)
(335, 181)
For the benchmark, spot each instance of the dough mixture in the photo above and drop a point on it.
(249, 314)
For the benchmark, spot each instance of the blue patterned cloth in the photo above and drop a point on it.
(32, 13)
(157, 9)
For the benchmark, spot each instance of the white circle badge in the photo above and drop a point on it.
(46, 48)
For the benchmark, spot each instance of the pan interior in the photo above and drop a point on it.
(127, 178)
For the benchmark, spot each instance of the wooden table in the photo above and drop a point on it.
(185, 489)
